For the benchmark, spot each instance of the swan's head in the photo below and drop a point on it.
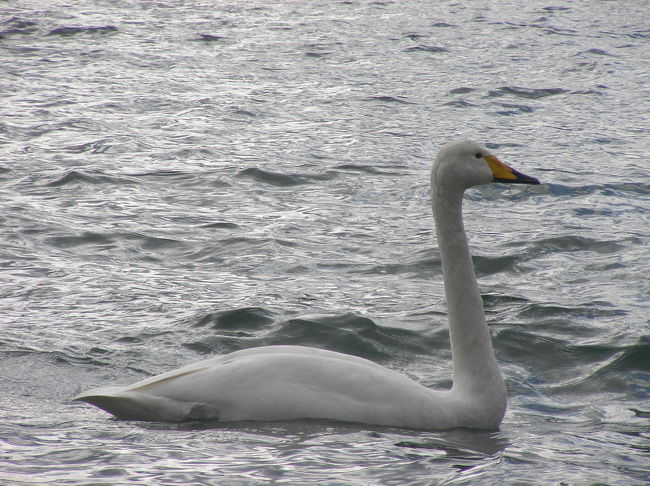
(464, 164)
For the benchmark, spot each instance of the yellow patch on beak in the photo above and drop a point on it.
(500, 170)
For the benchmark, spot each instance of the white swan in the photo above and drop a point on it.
(296, 382)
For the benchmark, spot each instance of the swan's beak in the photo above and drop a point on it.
(503, 173)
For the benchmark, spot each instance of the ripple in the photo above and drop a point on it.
(283, 180)
(420, 265)
(93, 147)
(560, 31)
(368, 169)
(514, 109)
(347, 333)
(620, 370)
(492, 265)
(643, 414)
(389, 99)
(528, 347)
(71, 31)
(350, 334)
(222, 225)
(86, 238)
(461, 104)
(129, 245)
(210, 38)
(526, 93)
(15, 25)
(572, 243)
(247, 318)
(593, 310)
(462, 90)
(424, 48)
(273, 178)
(623, 189)
(74, 177)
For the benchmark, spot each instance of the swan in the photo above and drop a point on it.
(296, 382)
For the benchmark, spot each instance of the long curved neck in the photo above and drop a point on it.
(475, 368)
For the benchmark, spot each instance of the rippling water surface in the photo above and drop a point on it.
(184, 179)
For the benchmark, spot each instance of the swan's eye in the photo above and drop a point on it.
(478, 155)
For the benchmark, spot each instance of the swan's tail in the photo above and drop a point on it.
(133, 405)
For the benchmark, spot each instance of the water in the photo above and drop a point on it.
(184, 179)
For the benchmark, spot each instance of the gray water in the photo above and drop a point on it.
(185, 179)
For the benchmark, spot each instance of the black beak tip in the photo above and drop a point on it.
(524, 179)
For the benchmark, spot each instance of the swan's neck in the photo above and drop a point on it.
(475, 369)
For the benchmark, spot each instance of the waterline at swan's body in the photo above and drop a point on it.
(294, 382)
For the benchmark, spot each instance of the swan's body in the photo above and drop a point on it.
(296, 382)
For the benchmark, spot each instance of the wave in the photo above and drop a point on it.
(526, 93)
(388, 99)
(71, 31)
(349, 333)
(284, 180)
(426, 48)
(15, 25)
(571, 243)
(135, 243)
(616, 369)
(73, 177)
(624, 190)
